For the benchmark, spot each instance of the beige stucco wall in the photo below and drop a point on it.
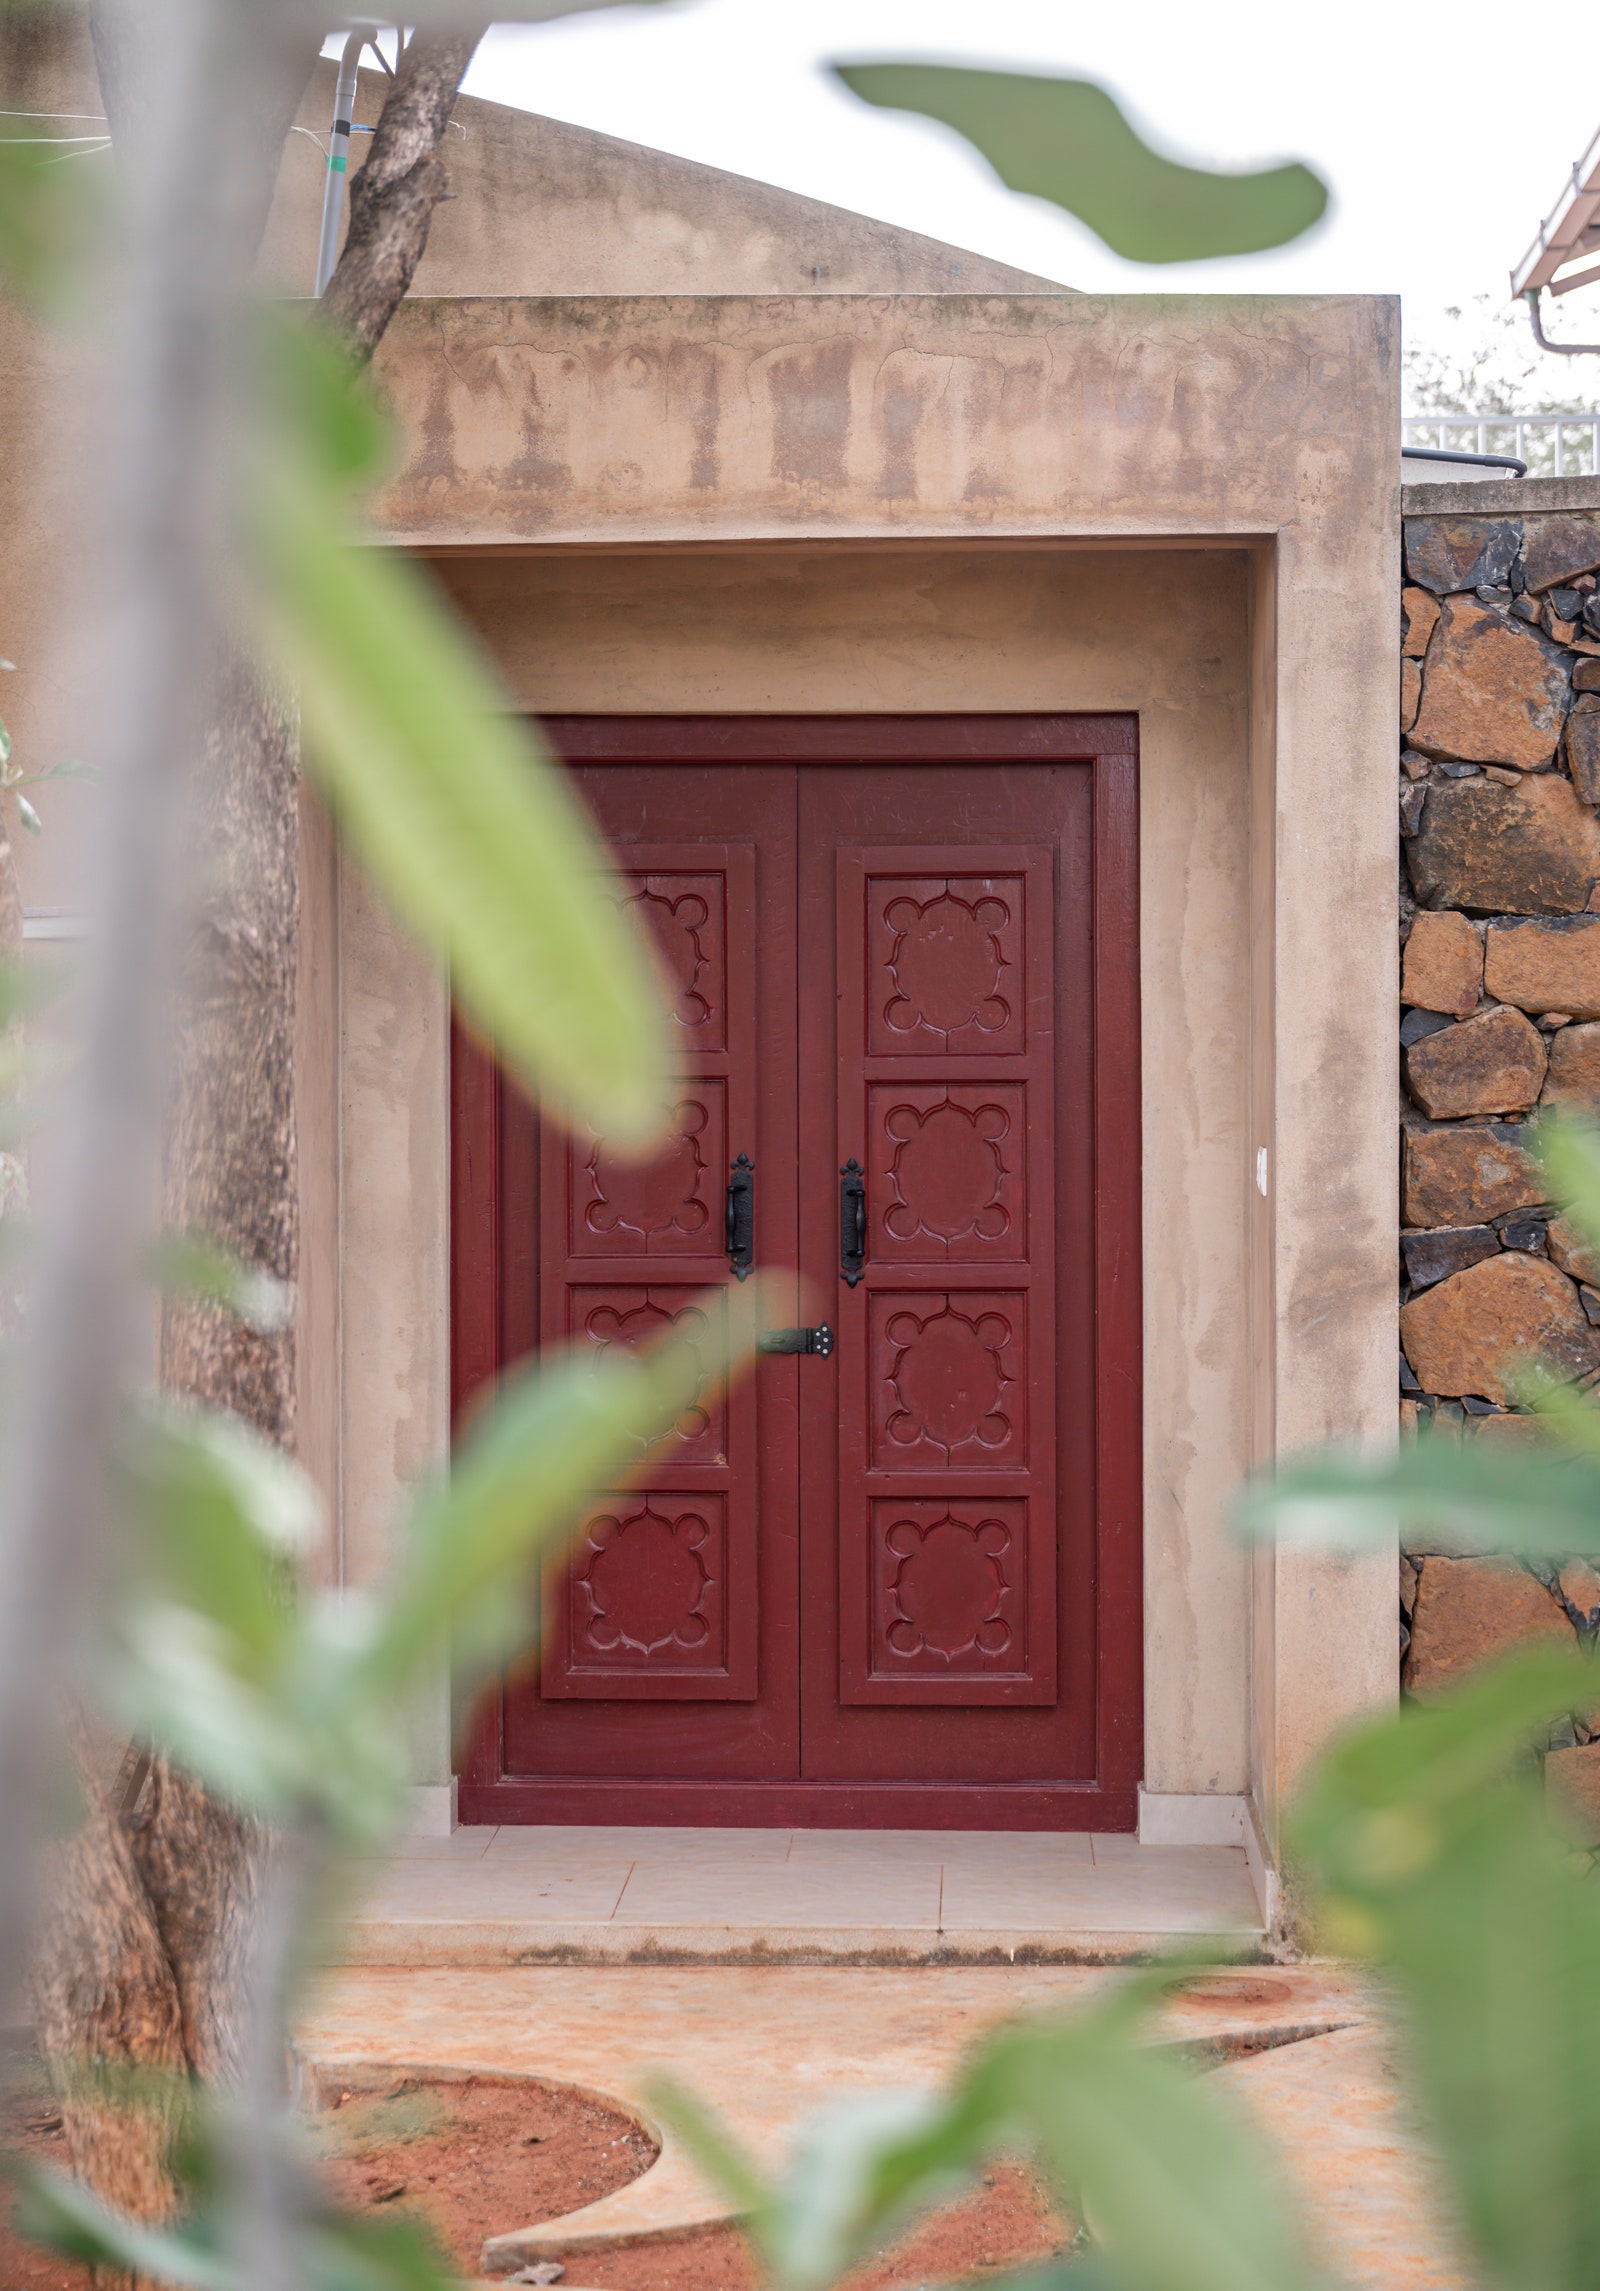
(1180, 506)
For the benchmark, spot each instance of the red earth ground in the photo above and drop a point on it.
(476, 2158)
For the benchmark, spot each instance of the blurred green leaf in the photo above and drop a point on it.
(464, 819)
(69, 768)
(1178, 2192)
(336, 2252)
(190, 1264)
(721, 2155)
(29, 817)
(1431, 1841)
(1067, 140)
(52, 194)
(1570, 1152)
(66, 2217)
(1520, 1501)
(281, 1701)
(329, 416)
(521, 1478)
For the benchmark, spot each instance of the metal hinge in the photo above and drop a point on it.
(818, 1340)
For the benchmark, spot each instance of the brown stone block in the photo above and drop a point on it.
(1496, 692)
(1545, 965)
(1489, 1065)
(1581, 746)
(1586, 676)
(1533, 849)
(1468, 1611)
(1410, 693)
(1572, 1790)
(1571, 1249)
(1443, 965)
(1462, 1177)
(1511, 1431)
(1480, 1330)
(1573, 1079)
(1557, 549)
(1444, 553)
(1419, 617)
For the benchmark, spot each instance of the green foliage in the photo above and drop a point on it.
(51, 203)
(286, 1703)
(1431, 1847)
(1068, 141)
(334, 2251)
(1526, 1503)
(190, 1264)
(1180, 2197)
(454, 803)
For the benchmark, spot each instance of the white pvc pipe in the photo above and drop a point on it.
(344, 102)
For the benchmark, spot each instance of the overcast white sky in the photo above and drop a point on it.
(1444, 132)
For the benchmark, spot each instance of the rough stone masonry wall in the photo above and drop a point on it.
(1500, 994)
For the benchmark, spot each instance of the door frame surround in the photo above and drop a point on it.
(1108, 744)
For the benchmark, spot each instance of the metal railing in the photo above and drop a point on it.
(1553, 445)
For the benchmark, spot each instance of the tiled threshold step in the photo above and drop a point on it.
(489, 1897)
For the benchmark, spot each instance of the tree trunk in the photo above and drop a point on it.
(144, 1957)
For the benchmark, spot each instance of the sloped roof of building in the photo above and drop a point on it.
(543, 207)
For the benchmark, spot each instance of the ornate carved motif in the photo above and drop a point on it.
(948, 1174)
(663, 1205)
(950, 1594)
(686, 916)
(646, 1586)
(632, 1318)
(951, 952)
(947, 1382)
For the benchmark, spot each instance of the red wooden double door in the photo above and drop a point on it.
(892, 1578)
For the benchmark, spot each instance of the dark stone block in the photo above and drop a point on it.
(1412, 798)
(1525, 608)
(1567, 604)
(1408, 1382)
(1590, 1301)
(1417, 1023)
(1499, 598)
(1476, 1407)
(1453, 770)
(1451, 553)
(1431, 1257)
(1591, 614)
(1557, 549)
(1525, 1233)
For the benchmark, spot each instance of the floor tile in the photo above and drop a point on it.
(1022, 1850)
(460, 1845)
(781, 1896)
(430, 1892)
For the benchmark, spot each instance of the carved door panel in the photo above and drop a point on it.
(654, 1630)
(940, 1568)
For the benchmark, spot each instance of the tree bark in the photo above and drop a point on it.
(144, 1957)
(393, 197)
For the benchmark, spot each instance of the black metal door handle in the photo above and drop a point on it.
(852, 1221)
(741, 1217)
